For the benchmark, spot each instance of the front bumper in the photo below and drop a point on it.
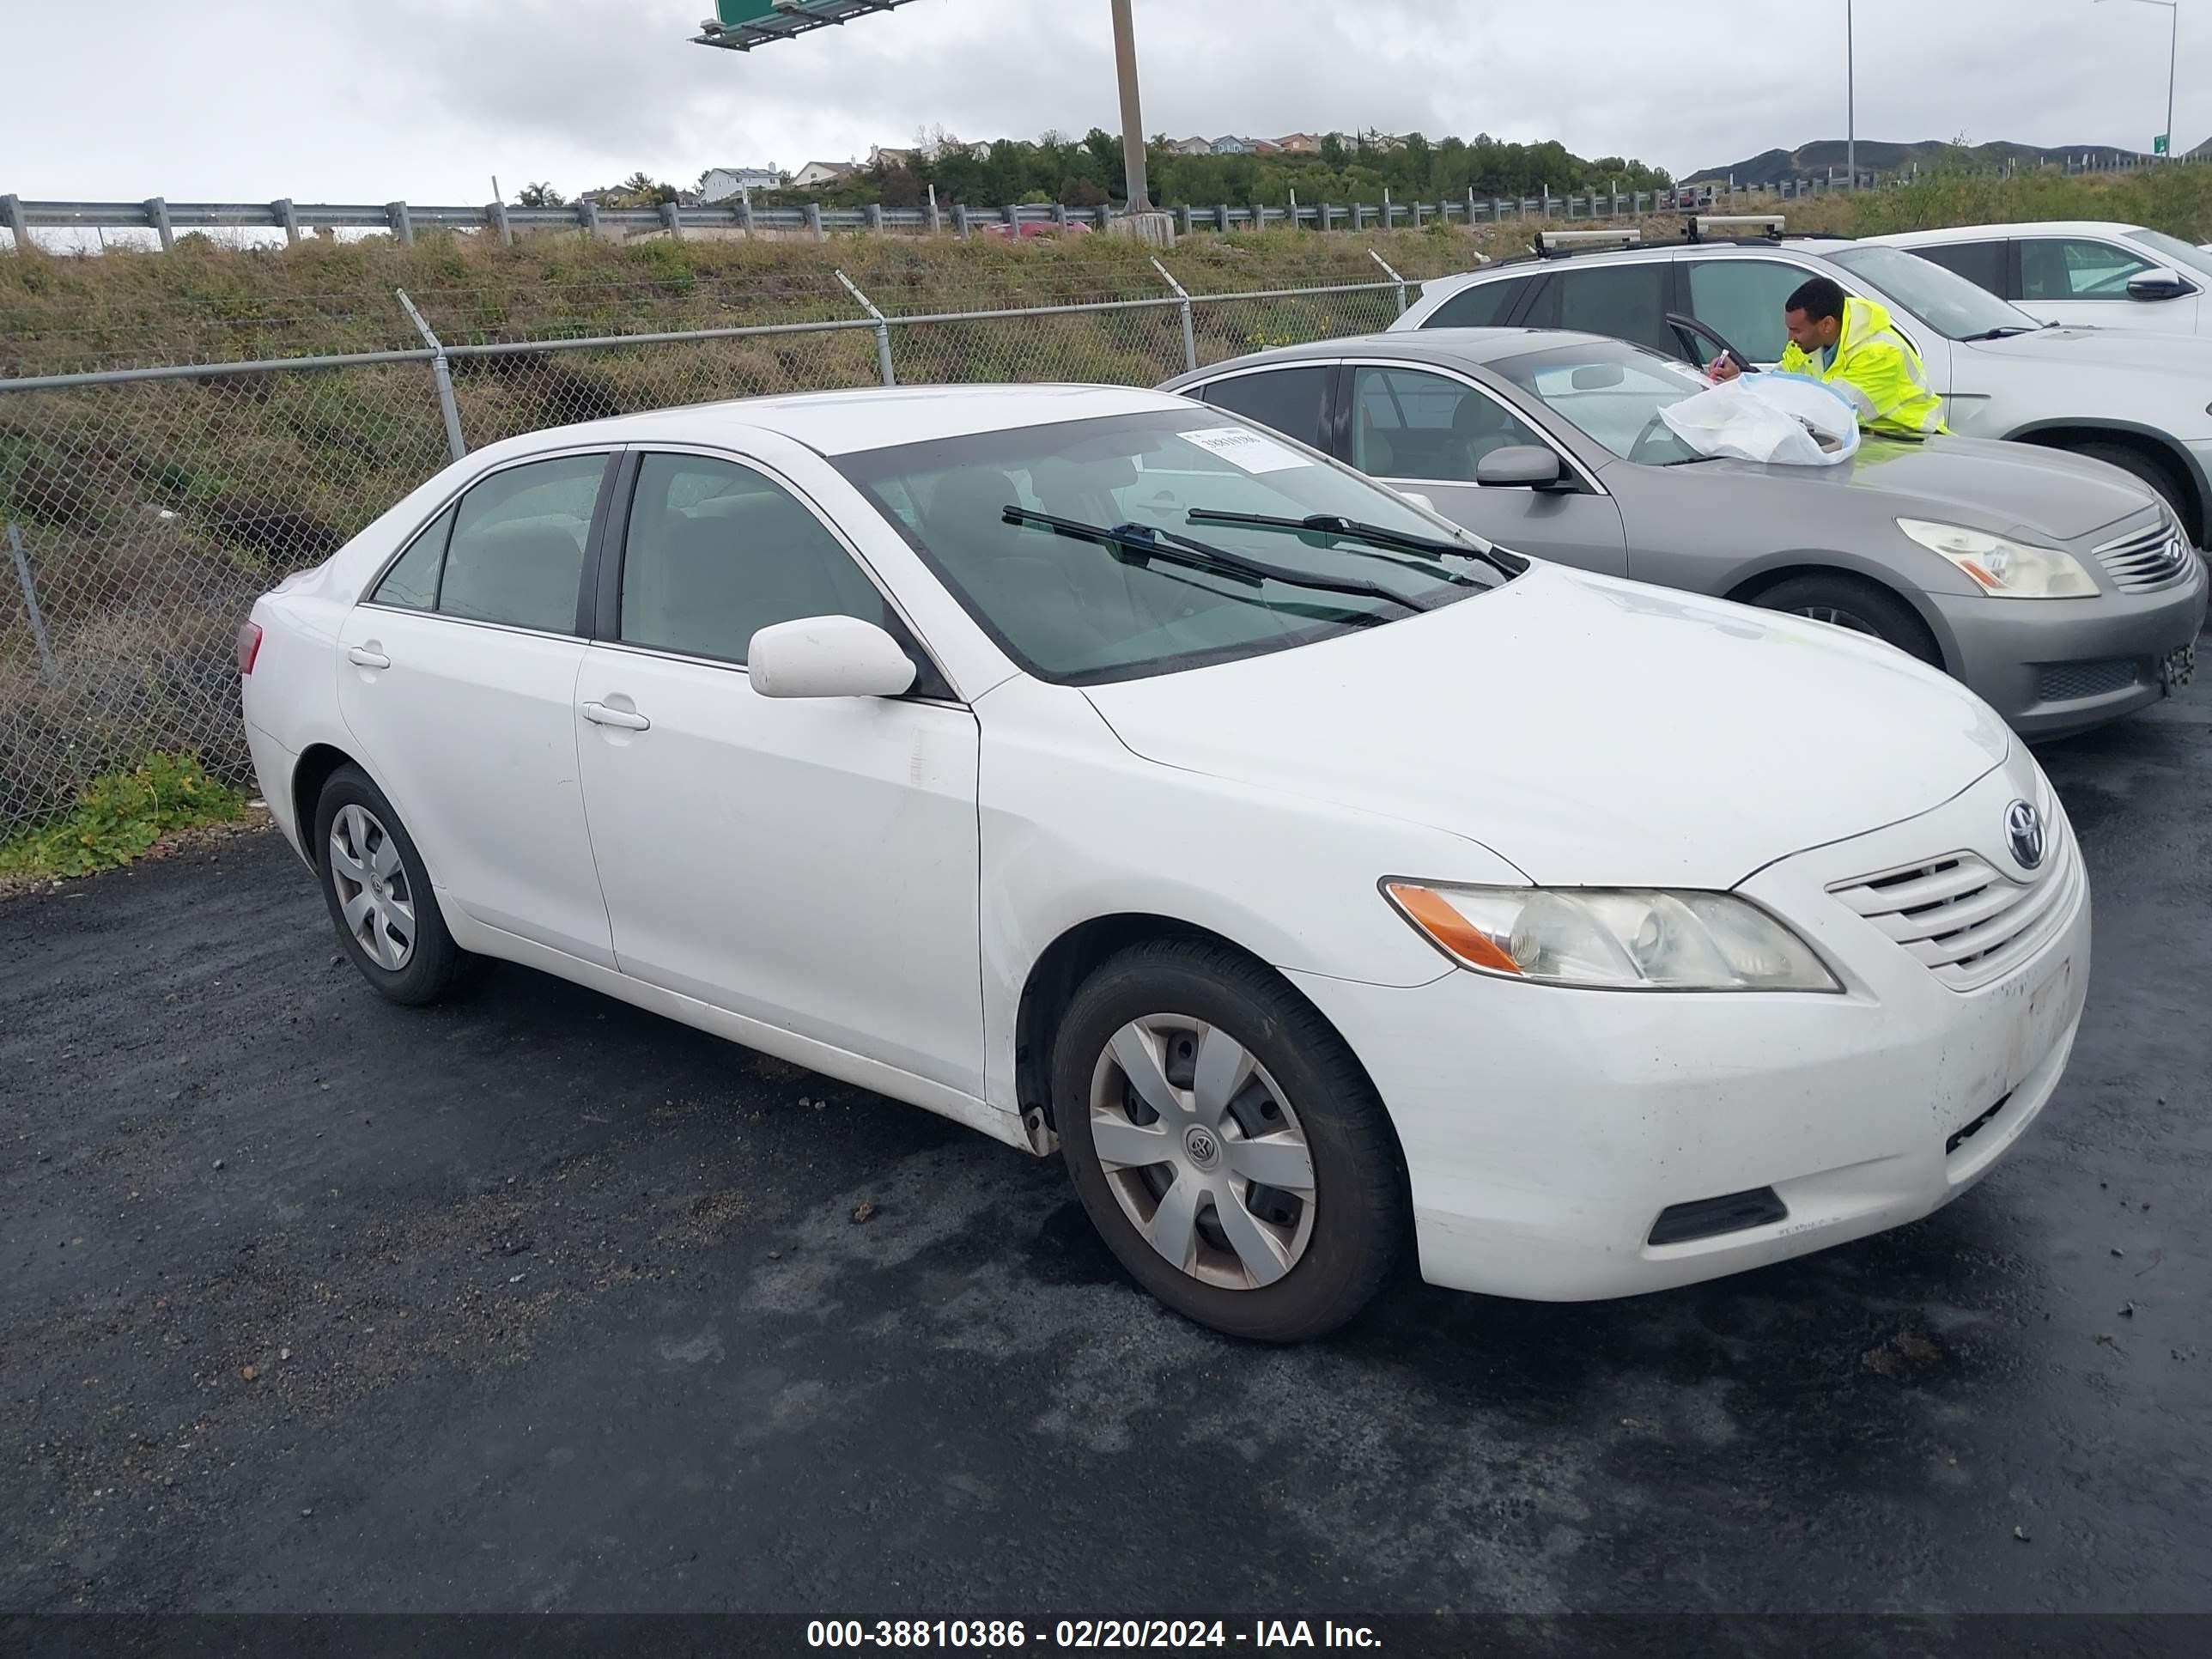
(1545, 1131)
(2056, 667)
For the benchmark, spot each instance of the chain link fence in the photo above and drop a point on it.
(145, 508)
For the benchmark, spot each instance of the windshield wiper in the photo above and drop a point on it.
(1170, 549)
(1328, 524)
(1996, 334)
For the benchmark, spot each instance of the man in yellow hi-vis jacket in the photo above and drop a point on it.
(1848, 343)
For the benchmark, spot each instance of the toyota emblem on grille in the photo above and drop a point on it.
(2024, 833)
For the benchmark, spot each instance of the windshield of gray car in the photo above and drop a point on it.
(1945, 301)
(1074, 612)
(1611, 392)
(2190, 261)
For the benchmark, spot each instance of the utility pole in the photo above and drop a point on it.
(1850, 94)
(2172, 63)
(1132, 119)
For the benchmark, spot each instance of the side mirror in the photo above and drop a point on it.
(1523, 466)
(828, 657)
(2157, 284)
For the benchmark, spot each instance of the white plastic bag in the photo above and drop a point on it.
(1778, 420)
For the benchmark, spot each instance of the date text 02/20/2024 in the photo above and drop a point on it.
(987, 1635)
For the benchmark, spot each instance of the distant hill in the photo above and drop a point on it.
(1813, 161)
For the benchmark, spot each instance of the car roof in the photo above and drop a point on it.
(1475, 347)
(871, 417)
(1977, 233)
(1643, 253)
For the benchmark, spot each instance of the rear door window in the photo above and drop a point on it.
(516, 552)
(1980, 263)
(1622, 302)
(1293, 401)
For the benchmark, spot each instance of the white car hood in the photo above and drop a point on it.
(1590, 731)
(2134, 350)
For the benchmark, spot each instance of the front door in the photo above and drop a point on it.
(1427, 433)
(456, 678)
(808, 863)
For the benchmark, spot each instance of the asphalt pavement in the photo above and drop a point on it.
(539, 1303)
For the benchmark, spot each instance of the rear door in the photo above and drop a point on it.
(1425, 431)
(456, 678)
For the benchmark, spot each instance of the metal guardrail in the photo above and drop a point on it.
(168, 219)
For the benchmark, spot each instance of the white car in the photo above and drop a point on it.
(2079, 272)
(1101, 771)
(2142, 402)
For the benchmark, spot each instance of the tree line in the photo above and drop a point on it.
(1087, 172)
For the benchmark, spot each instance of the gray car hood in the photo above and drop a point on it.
(2006, 489)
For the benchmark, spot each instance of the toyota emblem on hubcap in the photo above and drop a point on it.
(1202, 1147)
(2024, 835)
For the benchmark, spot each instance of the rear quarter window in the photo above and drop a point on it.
(1482, 305)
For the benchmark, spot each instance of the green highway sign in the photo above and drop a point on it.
(2161, 144)
(741, 25)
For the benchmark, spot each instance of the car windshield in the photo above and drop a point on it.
(1945, 301)
(1611, 392)
(2192, 261)
(1076, 612)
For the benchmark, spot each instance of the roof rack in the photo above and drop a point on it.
(1700, 227)
(1556, 244)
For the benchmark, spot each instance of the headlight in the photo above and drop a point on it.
(2008, 569)
(1613, 939)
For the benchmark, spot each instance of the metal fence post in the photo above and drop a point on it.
(936, 219)
(814, 221)
(1189, 333)
(960, 219)
(31, 601)
(289, 218)
(497, 214)
(441, 374)
(882, 330)
(157, 215)
(1182, 220)
(1320, 216)
(403, 223)
(11, 207)
(587, 215)
(671, 221)
(1392, 275)
(1221, 218)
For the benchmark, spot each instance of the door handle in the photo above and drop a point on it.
(363, 659)
(599, 714)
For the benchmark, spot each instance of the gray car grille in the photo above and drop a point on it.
(2063, 682)
(2147, 558)
(1967, 922)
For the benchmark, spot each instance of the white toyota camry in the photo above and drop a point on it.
(1107, 774)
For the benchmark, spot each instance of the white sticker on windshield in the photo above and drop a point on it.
(1241, 447)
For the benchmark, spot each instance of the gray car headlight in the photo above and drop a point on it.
(2004, 568)
(1614, 938)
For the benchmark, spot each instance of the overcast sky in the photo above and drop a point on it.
(370, 100)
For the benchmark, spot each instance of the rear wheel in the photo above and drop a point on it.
(380, 897)
(1226, 1143)
(1853, 603)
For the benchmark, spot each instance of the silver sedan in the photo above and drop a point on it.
(2059, 588)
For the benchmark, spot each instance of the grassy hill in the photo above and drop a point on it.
(1816, 160)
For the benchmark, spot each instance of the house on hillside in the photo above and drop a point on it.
(1299, 143)
(815, 174)
(1265, 147)
(725, 184)
(1192, 147)
(881, 156)
(1230, 144)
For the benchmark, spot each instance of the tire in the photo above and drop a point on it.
(414, 968)
(1322, 1250)
(2160, 477)
(1857, 603)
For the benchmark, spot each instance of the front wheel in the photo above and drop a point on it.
(1860, 606)
(1226, 1143)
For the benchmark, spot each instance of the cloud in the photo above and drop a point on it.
(425, 98)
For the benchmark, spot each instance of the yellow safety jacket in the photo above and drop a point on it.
(1878, 370)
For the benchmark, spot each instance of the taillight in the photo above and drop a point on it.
(249, 646)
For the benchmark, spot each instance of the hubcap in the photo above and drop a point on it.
(1202, 1151)
(373, 892)
(1836, 617)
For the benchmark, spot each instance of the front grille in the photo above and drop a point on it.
(2147, 558)
(2063, 682)
(1967, 922)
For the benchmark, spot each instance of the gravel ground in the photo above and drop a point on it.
(539, 1303)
